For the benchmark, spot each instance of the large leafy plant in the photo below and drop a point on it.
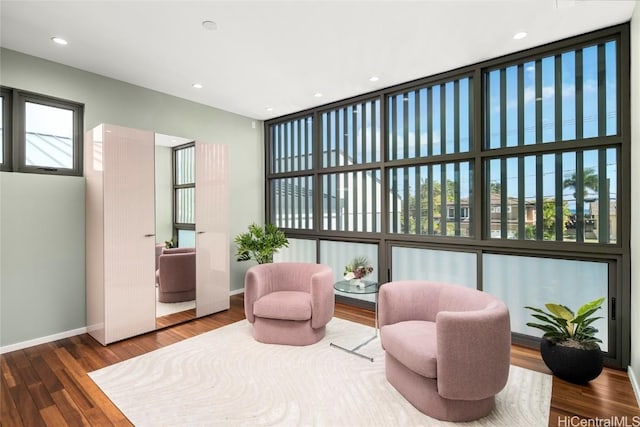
(260, 243)
(560, 324)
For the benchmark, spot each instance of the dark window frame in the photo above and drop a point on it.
(14, 137)
(7, 128)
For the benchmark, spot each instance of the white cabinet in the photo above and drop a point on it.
(120, 222)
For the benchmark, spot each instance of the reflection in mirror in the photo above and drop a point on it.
(175, 241)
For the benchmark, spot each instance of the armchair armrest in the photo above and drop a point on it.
(474, 351)
(322, 298)
(257, 283)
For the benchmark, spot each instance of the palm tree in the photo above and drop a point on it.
(495, 187)
(589, 181)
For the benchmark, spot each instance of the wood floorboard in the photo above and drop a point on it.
(52, 416)
(8, 411)
(175, 318)
(48, 385)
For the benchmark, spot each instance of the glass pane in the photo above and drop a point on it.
(440, 266)
(352, 201)
(292, 145)
(611, 88)
(608, 197)
(48, 136)
(529, 281)
(567, 196)
(338, 254)
(185, 165)
(351, 135)
(292, 202)
(430, 120)
(299, 250)
(1, 130)
(420, 206)
(186, 238)
(185, 205)
(572, 95)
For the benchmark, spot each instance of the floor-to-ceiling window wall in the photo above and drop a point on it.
(509, 176)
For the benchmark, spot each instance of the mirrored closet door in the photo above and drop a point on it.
(157, 231)
(175, 230)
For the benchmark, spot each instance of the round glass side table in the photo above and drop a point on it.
(364, 287)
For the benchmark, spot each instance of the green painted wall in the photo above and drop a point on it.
(41, 255)
(164, 194)
(27, 309)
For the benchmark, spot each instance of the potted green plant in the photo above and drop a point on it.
(260, 243)
(569, 346)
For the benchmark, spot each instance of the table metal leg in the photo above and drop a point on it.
(354, 350)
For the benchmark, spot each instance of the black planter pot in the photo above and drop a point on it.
(576, 365)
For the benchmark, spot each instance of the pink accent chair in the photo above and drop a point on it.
(289, 303)
(447, 347)
(176, 275)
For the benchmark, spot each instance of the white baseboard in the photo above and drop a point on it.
(66, 334)
(42, 340)
(633, 378)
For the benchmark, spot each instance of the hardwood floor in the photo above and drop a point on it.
(48, 385)
(175, 318)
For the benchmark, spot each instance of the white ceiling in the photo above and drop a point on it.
(278, 54)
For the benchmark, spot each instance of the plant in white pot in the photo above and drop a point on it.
(569, 346)
(260, 243)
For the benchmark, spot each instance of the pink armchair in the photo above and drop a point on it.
(447, 347)
(176, 275)
(289, 303)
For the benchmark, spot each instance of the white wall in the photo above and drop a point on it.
(106, 101)
(634, 369)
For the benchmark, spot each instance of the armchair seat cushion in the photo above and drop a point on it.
(284, 305)
(413, 343)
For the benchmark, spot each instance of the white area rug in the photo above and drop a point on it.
(226, 378)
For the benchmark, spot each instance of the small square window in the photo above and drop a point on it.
(40, 134)
(48, 136)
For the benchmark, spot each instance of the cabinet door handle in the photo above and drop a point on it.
(149, 235)
(200, 232)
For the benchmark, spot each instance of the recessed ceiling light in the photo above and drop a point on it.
(317, 95)
(197, 85)
(59, 40)
(209, 25)
(374, 78)
(520, 35)
(269, 108)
